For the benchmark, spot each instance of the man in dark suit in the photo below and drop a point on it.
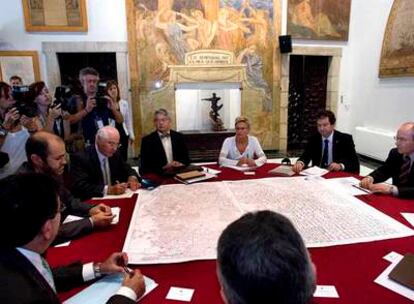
(100, 170)
(46, 154)
(329, 148)
(25, 276)
(261, 258)
(397, 166)
(163, 151)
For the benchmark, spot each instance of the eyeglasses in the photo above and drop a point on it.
(401, 139)
(114, 144)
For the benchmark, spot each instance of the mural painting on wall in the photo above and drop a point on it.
(319, 19)
(397, 58)
(167, 30)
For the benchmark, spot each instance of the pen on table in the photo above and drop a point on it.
(360, 188)
(128, 271)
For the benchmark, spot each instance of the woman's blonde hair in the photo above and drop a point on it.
(242, 119)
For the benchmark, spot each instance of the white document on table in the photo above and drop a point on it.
(386, 282)
(349, 185)
(409, 217)
(314, 171)
(211, 171)
(100, 291)
(128, 194)
(180, 294)
(325, 291)
(239, 168)
(73, 218)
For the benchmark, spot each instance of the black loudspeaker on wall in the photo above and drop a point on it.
(285, 44)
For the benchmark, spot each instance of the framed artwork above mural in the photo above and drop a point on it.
(397, 56)
(319, 19)
(21, 63)
(55, 15)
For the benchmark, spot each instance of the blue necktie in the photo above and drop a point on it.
(324, 162)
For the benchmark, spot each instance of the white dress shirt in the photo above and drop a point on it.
(230, 155)
(87, 272)
(166, 143)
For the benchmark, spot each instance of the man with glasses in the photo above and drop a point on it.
(100, 170)
(164, 150)
(397, 166)
(28, 230)
(46, 154)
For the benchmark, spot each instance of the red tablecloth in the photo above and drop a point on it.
(351, 268)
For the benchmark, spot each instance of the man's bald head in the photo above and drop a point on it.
(405, 138)
(46, 153)
(107, 140)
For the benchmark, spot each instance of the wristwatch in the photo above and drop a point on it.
(97, 270)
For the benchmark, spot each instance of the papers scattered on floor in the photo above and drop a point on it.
(409, 217)
(349, 185)
(325, 291)
(100, 291)
(180, 294)
(386, 282)
(314, 171)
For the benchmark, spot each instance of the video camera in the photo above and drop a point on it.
(23, 104)
(62, 97)
(101, 97)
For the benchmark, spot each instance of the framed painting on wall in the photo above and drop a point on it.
(21, 63)
(55, 15)
(319, 19)
(397, 56)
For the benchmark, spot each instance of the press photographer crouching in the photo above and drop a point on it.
(16, 118)
(94, 108)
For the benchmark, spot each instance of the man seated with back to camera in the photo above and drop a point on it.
(329, 148)
(100, 169)
(25, 276)
(261, 258)
(94, 108)
(46, 154)
(164, 150)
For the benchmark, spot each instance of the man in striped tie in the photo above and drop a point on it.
(397, 166)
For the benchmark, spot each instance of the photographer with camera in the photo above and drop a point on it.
(13, 135)
(94, 108)
(50, 116)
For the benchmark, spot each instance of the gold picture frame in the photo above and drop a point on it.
(397, 55)
(22, 63)
(55, 15)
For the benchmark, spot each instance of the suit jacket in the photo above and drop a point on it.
(343, 151)
(74, 206)
(87, 174)
(391, 168)
(153, 156)
(21, 283)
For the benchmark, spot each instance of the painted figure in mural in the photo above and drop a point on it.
(165, 58)
(254, 69)
(214, 114)
(167, 21)
(72, 4)
(225, 29)
(258, 22)
(205, 29)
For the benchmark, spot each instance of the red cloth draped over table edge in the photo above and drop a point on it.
(351, 268)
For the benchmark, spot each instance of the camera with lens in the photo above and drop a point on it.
(101, 97)
(62, 97)
(23, 103)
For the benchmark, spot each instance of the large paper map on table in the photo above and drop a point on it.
(177, 223)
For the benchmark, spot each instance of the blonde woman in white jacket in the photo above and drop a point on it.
(126, 129)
